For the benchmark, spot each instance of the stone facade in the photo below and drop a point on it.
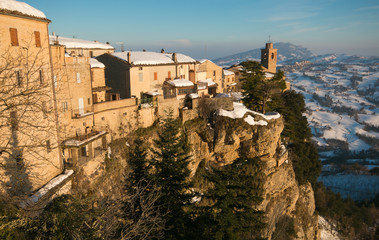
(213, 72)
(30, 154)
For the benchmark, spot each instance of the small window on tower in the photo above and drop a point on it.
(272, 55)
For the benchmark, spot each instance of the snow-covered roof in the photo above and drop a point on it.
(21, 7)
(223, 95)
(269, 75)
(193, 95)
(180, 83)
(96, 64)
(79, 43)
(152, 58)
(153, 93)
(181, 58)
(45, 189)
(227, 72)
(208, 81)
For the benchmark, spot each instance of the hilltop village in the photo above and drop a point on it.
(65, 99)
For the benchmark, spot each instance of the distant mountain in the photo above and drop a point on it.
(286, 52)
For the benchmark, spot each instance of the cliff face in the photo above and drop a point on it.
(289, 207)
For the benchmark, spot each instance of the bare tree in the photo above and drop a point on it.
(28, 143)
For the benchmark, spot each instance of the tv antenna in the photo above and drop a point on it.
(122, 45)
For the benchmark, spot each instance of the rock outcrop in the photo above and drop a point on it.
(289, 208)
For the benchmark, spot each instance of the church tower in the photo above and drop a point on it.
(269, 57)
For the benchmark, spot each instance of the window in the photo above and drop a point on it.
(40, 77)
(89, 101)
(14, 121)
(84, 151)
(78, 77)
(140, 68)
(91, 53)
(64, 107)
(140, 77)
(19, 78)
(272, 55)
(37, 38)
(155, 76)
(44, 109)
(48, 146)
(214, 73)
(55, 81)
(14, 38)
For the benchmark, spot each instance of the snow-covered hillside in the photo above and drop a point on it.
(342, 97)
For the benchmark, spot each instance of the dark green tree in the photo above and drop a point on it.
(237, 190)
(140, 209)
(257, 88)
(170, 175)
(296, 131)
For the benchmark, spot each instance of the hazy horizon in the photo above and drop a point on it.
(213, 29)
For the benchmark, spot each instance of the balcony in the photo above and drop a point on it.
(84, 139)
(82, 112)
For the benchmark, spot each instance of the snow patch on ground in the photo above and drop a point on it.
(327, 230)
(240, 110)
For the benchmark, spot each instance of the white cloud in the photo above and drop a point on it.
(367, 8)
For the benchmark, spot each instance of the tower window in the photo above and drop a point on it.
(272, 55)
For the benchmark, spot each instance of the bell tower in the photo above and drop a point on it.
(269, 57)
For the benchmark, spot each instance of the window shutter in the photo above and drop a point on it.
(14, 38)
(37, 38)
(155, 76)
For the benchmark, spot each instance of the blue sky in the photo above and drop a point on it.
(216, 28)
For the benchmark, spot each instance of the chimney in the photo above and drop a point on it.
(53, 34)
(174, 58)
(56, 41)
(269, 45)
(162, 50)
(129, 57)
(143, 50)
(108, 43)
(96, 41)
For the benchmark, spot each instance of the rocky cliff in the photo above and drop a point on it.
(290, 208)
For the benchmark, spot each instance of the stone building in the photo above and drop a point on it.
(230, 81)
(29, 143)
(80, 47)
(214, 73)
(147, 74)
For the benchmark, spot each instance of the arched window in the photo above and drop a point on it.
(272, 55)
